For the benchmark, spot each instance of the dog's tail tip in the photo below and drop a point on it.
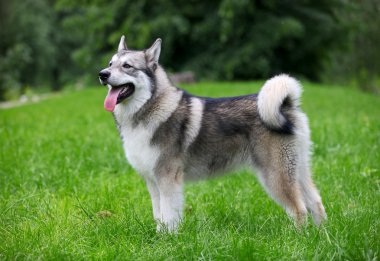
(277, 99)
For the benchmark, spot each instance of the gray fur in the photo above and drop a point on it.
(175, 136)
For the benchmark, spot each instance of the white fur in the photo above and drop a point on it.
(139, 152)
(195, 121)
(151, 184)
(171, 206)
(310, 193)
(167, 202)
(271, 96)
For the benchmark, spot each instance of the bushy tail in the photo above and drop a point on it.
(277, 101)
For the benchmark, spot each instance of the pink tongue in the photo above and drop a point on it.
(111, 99)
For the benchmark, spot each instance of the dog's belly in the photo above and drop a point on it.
(210, 165)
(139, 152)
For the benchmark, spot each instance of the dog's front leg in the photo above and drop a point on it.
(151, 184)
(170, 185)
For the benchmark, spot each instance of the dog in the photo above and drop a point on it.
(170, 136)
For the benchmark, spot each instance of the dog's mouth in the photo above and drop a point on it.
(126, 91)
(117, 94)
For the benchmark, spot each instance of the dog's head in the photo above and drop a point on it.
(130, 74)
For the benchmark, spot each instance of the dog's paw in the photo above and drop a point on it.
(170, 227)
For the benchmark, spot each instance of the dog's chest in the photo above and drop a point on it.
(139, 152)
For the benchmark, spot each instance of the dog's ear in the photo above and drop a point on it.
(153, 54)
(122, 44)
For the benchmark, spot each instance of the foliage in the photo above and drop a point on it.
(62, 167)
(26, 48)
(359, 61)
(67, 41)
(220, 40)
(16, 57)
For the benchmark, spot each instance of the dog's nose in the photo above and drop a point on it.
(104, 75)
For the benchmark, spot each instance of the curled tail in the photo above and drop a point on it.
(277, 102)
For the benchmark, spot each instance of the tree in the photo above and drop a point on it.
(26, 51)
(358, 59)
(56, 42)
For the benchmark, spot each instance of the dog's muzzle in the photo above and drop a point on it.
(103, 76)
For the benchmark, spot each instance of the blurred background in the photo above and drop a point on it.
(47, 45)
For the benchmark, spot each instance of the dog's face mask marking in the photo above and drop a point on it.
(130, 73)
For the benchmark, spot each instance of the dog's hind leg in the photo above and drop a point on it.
(311, 195)
(309, 191)
(278, 175)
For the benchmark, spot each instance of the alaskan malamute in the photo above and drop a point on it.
(170, 136)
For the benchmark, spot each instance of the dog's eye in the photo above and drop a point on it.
(126, 66)
(110, 64)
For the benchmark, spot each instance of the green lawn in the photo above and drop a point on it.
(61, 162)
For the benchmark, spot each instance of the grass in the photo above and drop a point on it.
(62, 166)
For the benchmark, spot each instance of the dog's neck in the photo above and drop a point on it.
(151, 108)
(162, 81)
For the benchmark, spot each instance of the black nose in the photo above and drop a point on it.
(104, 75)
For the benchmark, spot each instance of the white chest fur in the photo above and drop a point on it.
(139, 152)
(141, 155)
